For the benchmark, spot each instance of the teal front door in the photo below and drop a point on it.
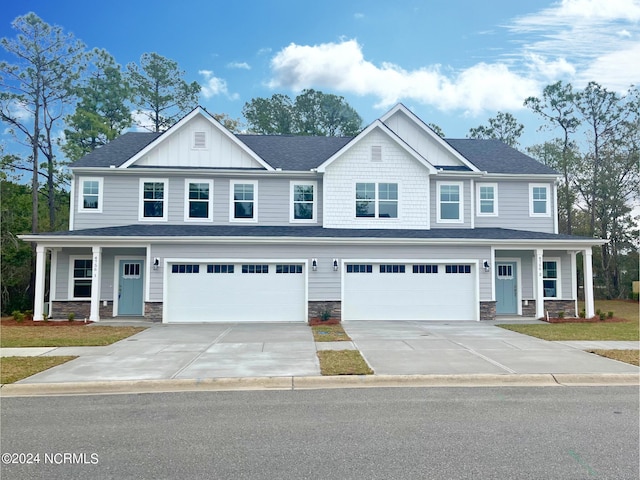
(130, 287)
(506, 288)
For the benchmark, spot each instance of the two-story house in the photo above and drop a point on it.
(198, 224)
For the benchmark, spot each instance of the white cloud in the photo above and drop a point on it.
(619, 70)
(239, 65)
(215, 86)
(342, 67)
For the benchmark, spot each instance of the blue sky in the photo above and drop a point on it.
(454, 63)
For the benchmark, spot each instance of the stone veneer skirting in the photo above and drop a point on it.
(153, 311)
(555, 306)
(316, 309)
(487, 310)
(81, 309)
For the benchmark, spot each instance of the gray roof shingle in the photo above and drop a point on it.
(117, 151)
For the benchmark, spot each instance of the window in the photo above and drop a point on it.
(450, 202)
(81, 272)
(376, 200)
(185, 268)
(288, 268)
(351, 268)
(487, 199)
(220, 269)
(131, 270)
(538, 200)
(91, 195)
(255, 268)
(457, 268)
(550, 278)
(303, 204)
(505, 272)
(152, 199)
(198, 200)
(244, 201)
(392, 268)
(425, 269)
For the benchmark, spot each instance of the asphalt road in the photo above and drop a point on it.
(383, 433)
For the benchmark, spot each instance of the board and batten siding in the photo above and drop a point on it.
(513, 208)
(356, 166)
(324, 284)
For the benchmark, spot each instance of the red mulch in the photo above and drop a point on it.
(10, 322)
(585, 320)
(319, 321)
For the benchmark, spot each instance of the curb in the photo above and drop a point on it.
(316, 383)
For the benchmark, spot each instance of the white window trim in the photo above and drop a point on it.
(376, 201)
(209, 218)
(314, 214)
(547, 212)
(558, 278)
(232, 218)
(495, 200)
(460, 185)
(165, 203)
(72, 259)
(81, 181)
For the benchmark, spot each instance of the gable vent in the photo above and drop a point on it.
(199, 140)
(376, 153)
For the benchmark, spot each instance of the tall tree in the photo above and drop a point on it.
(503, 127)
(557, 107)
(312, 113)
(102, 112)
(160, 91)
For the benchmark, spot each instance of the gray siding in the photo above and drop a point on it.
(466, 203)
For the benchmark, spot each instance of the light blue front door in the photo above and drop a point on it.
(130, 287)
(506, 288)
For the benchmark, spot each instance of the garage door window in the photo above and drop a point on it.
(425, 269)
(392, 268)
(351, 268)
(255, 268)
(220, 269)
(288, 268)
(458, 268)
(185, 268)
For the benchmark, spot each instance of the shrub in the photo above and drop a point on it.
(598, 312)
(561, 314)
(582, 314)
(635, 296)
(71, 317)
(325, 314)
(602, 315)
(17, 315)
(609, 314)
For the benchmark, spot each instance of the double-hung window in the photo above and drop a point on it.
(376, 200)
(80, 277)
(90, 195)
(450, 202)
(550, 278)
(303, 202)
(198, 200)
(153, 199)
(539, 200)
(244, 201)
(487, 199)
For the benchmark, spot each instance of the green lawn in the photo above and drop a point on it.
(13, 369)
(63, 336)
(329, 333)
(343, 362)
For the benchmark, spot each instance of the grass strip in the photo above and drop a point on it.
(580, 331)
(343, 362)
(329, 333)
(80, 336)
(626, 356)
(13, 369)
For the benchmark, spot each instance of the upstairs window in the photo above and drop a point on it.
(90, 195)
(450, 202)
(487, 199)
(199, 200)
(153, 199)
(303, 202)
(376, 200)
(538, 200)
(244, 201)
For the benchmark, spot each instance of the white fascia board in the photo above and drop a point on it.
(429, 131)
(377, 124)
(198, 111)
(145, 171)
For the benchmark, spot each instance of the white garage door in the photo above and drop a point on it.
(235, 292)
(409, 291)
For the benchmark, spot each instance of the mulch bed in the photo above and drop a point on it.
(10, 322)
(318, 321)
(585, 320)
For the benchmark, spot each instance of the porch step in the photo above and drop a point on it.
(127, 321)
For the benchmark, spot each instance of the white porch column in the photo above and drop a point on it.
(539, 283)
(588, 283)
(96, 265)
(38, 301)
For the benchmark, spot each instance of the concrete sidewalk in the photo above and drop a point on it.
(203, 353)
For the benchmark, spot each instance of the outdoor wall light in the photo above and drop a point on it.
(335, 264)
(314, 264)
(485, 265)
(156, 263)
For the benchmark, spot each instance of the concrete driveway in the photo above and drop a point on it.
(196, 351)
